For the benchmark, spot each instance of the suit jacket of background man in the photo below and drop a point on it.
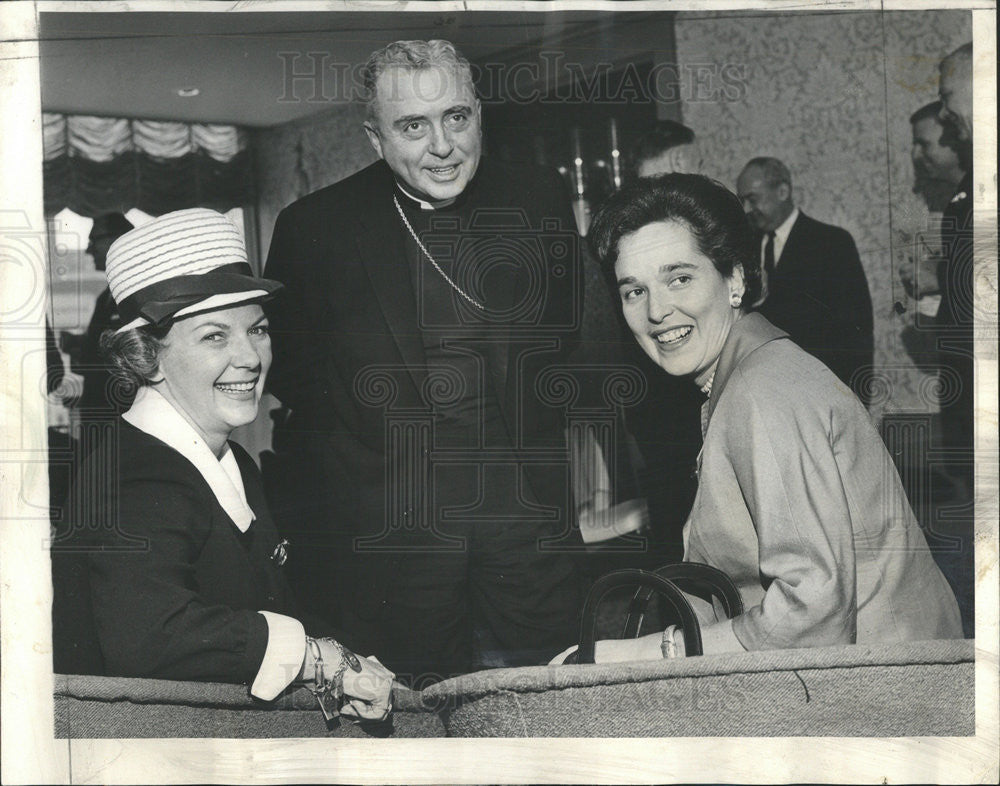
(819, 295)
(955, 320)
(956, 266)
(349, 356)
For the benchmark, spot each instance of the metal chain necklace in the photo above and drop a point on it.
(437, 267)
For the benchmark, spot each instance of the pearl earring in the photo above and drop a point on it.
(736, 299)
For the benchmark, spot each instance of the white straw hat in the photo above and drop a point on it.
(179, 264)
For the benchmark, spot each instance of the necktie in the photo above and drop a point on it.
(769, 254)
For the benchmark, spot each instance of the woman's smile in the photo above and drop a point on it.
(238, 390)
(672, 337)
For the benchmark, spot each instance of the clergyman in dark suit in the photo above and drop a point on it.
(427, 500)
(814, 287)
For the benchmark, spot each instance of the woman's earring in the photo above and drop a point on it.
(736, 299)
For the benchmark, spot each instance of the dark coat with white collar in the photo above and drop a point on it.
(151, 576)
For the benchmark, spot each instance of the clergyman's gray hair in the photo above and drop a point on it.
(412, 55)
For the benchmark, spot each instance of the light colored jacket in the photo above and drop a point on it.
(800, 503)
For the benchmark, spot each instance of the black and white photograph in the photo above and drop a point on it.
(499, 392)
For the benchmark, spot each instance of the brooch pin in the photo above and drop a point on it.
(280, 554)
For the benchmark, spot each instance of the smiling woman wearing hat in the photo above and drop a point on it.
(168, 564)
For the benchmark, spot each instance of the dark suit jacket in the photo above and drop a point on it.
(349, 357)
(101, 392)
(956, 267)
(954, 326)
(152, 578)
(819, 295)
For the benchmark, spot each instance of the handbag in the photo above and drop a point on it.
(665, 582)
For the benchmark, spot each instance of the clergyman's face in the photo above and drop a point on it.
(427, 128)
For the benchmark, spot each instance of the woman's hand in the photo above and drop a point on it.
(368, 692)
(619, 650)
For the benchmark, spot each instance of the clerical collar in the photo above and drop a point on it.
(423, 203)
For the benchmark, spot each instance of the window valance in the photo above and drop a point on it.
(96, 165)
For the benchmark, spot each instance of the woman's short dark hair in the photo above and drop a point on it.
(135, 354)
(712, 212)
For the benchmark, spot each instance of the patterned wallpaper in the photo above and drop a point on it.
(831, 94)
(295, 159)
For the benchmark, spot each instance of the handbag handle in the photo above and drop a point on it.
(690, 574)
(646, 580)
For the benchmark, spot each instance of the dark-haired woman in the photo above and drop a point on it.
(798, 500)
(168, 564)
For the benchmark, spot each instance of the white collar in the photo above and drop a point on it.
(424, 204)
(780, 238)
(153, 414)
(784, 230)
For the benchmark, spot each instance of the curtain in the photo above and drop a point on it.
(96, 165)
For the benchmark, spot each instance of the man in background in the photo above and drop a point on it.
(669, 147)
(814, 286)
(954, 321)
(937, 171)
(101, 397)
(937, 167)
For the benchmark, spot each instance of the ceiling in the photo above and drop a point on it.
(133, 64)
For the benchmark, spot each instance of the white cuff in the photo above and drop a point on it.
(286, 649)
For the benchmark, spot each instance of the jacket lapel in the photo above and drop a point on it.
(790, 254)
(505, 291)
(380, 245)
(501, 301)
